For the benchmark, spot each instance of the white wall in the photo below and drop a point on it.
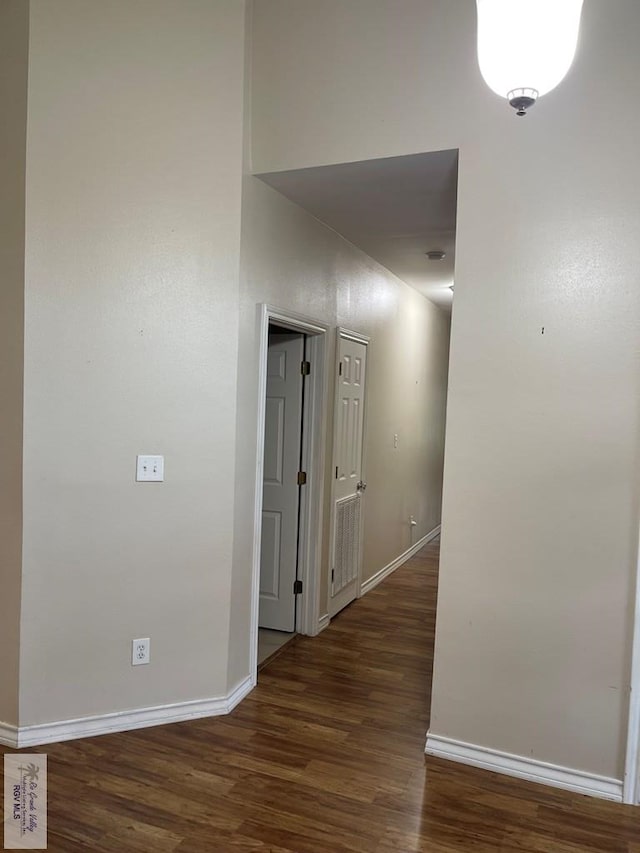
(541, 494)
(133, 306)
(292, 261)
(132, 258)
(14, 38)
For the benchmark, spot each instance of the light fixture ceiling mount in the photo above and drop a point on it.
(522, 100)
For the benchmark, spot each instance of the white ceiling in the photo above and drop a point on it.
(395, 209)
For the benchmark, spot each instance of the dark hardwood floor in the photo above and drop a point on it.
(325, 756)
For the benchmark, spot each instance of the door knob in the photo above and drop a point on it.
(361, 486)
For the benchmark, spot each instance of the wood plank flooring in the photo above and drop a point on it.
(325, 756)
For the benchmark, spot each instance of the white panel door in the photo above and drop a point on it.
(283, 429)
(348, 483)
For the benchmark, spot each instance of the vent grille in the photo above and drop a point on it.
(347, 542)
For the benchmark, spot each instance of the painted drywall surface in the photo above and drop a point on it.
(14, 40)
(344, 81)
(541, 498)
(407, 366)
(292, 261)
(133, 232)
(535, 593)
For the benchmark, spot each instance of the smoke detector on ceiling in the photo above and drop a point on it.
(436, 255)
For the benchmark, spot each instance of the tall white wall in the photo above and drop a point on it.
(134, 311)
(541, 490)
(14, 41)
(132, 258)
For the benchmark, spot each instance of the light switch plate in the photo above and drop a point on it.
(150, 469)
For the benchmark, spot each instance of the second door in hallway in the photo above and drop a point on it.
(348, 474)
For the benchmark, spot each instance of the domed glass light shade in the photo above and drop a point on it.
(525, 47)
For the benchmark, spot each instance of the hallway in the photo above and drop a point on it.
(325, 756)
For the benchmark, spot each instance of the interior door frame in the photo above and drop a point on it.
(311, 505)
(631, 782)
(358, 337)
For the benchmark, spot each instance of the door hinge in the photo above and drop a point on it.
(297, 587)
(340, 369)
(333, 574)
(302, 478)
(305, 368)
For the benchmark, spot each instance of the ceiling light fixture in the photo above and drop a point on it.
(436, 255)
(525, 47)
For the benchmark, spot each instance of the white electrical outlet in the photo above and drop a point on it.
(395, 440)
(140, 651)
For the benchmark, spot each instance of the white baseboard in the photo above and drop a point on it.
(240, 692)
(379, 576)
(8, 735)
(323, 622)
(122, 721)
(524, 768)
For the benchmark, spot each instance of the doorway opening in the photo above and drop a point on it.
(289, 480)
(401, 212)
(283, 478)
